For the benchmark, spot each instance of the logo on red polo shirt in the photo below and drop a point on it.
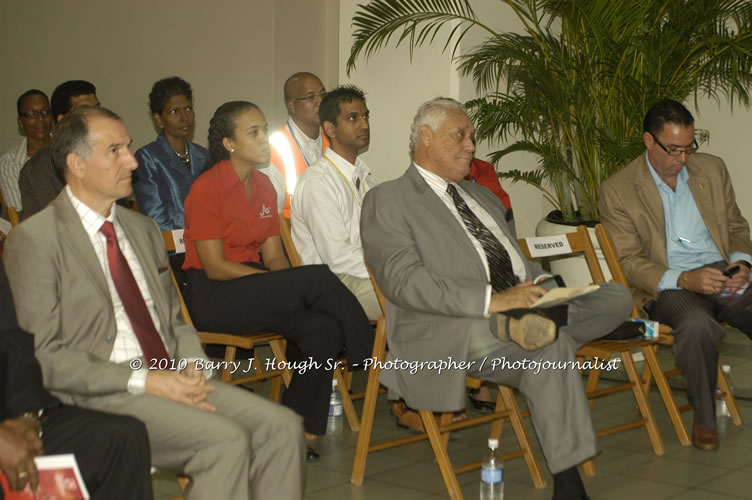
(266, 212)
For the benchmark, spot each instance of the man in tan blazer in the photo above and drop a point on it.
(674, 221)
(76, 270)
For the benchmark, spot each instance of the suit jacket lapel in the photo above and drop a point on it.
(437, 209)
(76, 242)
(142, 248)
(647, 192)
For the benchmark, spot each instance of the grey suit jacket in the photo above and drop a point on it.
(632, 211)
(62, 297)
(434, 283)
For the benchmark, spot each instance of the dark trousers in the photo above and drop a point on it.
(697, 333)
(309, 306)
(112, 451)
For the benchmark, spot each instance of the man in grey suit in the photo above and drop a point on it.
(92, 281)
(434, 272)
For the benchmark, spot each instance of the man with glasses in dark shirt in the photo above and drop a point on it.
(685, 249)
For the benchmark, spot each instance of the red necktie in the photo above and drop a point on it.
(133, 302)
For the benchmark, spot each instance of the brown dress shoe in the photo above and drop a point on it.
(704, 439)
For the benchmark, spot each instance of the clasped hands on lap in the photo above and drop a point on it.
(19, 444)
(188, 387)
(711, 281)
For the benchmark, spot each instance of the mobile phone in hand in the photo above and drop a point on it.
(731, 271)
(552, 282)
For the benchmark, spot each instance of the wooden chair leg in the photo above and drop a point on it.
(669, 402)
(446, 419)
(647, 372)
(733, 409)
(369, 406)
(642, 403)
(278, 349)
(347, 404)
(589, 467)
(230, 352)
(497, 427)
(440, 452)
(523, 439)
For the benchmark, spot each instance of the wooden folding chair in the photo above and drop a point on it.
(666, 339)
(342, 374)
(580, 242)
(11, 211)
(233, 342)
(438, 434)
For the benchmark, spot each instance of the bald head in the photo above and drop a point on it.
(303, 94)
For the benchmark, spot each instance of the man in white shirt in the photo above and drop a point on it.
(325, 212)
(93, 284)
(35, 119)
(300, 141)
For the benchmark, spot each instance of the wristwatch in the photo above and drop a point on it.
(746, 263)
(34, 416)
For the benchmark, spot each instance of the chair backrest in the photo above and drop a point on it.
(579, 242)
(612, 261)
(11, 211)
(285, 233)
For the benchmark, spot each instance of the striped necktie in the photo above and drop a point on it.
(499, 264)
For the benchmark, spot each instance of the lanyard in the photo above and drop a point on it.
(300, 148)
(349, 184)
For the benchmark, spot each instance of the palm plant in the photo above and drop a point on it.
(573, 88)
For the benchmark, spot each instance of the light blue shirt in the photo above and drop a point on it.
(688, 242)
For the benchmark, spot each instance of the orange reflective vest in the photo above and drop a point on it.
(287, 158)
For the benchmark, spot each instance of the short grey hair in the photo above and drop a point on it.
(432, 113)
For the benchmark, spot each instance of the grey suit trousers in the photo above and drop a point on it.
(250, 448)
(558, 406)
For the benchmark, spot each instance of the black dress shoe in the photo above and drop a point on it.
(479, 404)
(311, 455)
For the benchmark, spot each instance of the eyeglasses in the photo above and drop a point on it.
(672, 151)
(310, 97)
(34, 114)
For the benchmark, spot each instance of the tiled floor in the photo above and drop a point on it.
(627, 468)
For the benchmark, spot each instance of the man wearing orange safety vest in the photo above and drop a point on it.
(300, 141)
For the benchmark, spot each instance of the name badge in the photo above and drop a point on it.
(177, 237)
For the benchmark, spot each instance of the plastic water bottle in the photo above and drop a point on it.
(721, 409)
(492, 473)
(334, 422)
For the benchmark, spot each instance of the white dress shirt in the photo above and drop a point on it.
(439, 186)
(11, 164)
(310, 148)
(325, 213)
(126, 346)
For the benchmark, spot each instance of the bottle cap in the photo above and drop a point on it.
(726, 368)
(493, 443)
(334, 382)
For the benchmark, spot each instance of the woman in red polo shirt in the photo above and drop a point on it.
(239, 278)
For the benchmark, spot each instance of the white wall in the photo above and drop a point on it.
(230, 49)
(226, 49)
(396, 87)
